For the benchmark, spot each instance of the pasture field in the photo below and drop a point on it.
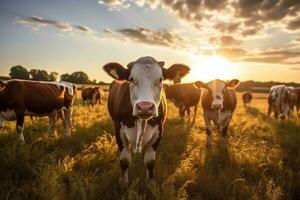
(259, 160)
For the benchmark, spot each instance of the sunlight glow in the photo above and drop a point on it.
(206, 68)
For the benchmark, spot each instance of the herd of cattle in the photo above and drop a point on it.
(137, 104)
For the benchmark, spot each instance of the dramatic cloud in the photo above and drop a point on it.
(244, 17)
(275, 56)
(294, 24)
(166, 38)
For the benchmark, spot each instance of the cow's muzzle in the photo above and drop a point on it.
(145, 109)
(216, 107)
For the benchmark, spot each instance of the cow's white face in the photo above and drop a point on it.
(145, 77)
(216, 90)
(145, 84)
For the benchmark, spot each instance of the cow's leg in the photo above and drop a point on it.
(2, 120)
(226, 125)
(208, 129)
(188, 110)
(269, 110)
(68, 120)
(52, 121)
(276, 114)
(125, 154)
(150, 152)
(181, 112)
(149, 161)
(20, 115)
(125, 159)
(195, 113)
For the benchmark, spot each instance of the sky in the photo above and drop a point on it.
(245, 39)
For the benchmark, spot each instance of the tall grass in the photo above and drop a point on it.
(259, 160)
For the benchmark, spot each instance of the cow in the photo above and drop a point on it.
(184, 96)
(281, 101)
(20, 98)
(247, 98)
(91, 95)
(297, 98)
(137, 105)
(218, 102)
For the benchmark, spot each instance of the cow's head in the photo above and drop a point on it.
(95, 94)
(216, 91)
(145, 77)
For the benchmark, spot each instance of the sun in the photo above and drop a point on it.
(207, 68)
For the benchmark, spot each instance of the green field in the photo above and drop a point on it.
(259, 160)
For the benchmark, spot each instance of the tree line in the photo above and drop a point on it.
(20, 72)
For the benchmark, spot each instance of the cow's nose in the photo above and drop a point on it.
(216, 107)
(145, 108)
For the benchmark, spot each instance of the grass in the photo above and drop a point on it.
(259, 160)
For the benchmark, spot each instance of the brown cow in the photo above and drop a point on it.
(218, 103)
(184, 96)
(247, 98)
(91, 95)
(31, 98)
(137, 105)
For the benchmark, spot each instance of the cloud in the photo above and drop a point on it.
(84, 29)
(225, 41)
(37, 23)
(167, 38)
(242, 17)
(294, 68)
(294, 24)
(274, 56)
(232, 53)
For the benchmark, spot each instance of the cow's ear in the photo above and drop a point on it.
(200, 84)
(161, 63)
(233, 83)
(2, 85)
(116, 71)
(175, 71)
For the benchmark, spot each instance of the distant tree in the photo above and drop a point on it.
(65, 77)
(76, 77)
(39, 75)
(19, 72)
(53, 76)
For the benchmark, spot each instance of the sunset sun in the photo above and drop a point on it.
(207, 68)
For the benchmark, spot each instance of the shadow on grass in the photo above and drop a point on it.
(21, 165)
(255, 112)
(288, 133)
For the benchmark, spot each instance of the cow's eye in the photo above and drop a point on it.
(130, 79)
(160, 80)
(276, 95)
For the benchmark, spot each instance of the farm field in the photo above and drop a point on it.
(259, 160)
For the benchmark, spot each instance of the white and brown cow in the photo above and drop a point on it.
(218, 103)
(91, 95)
(137, 105)
(20, 98)
(281, 101)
